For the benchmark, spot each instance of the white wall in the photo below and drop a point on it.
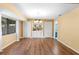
(47, 29)
(27, 29)
(68, 29)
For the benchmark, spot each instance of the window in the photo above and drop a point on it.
(8, 26)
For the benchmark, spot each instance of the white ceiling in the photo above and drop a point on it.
(44, 10)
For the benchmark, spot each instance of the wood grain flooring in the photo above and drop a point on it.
(47, 46)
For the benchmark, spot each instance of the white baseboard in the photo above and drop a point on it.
(69, 46)
(7, 45)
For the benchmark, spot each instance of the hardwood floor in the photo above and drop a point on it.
(37, 47)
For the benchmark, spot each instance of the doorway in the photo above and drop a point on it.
(39, 29)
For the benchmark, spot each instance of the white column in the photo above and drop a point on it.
(1, 42)
(17, 30)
